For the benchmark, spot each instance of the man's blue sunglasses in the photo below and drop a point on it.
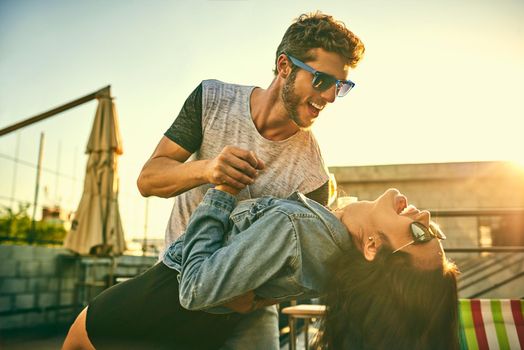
(323, 81)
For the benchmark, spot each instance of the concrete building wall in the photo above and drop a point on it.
(442, 186)
(459, 186)
(42, 286)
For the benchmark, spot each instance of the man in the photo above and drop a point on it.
(256, 140)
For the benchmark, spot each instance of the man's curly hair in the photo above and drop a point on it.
(318, 30)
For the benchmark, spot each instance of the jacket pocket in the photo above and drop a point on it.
(246, 216)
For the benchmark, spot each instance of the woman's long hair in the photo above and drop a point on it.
(388, 303)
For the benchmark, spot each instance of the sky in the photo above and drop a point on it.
(441, 81)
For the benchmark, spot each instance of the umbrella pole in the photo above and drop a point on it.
(55, 111)
(110, 155)
(105, 217)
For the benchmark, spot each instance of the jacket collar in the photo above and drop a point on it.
(336, 228)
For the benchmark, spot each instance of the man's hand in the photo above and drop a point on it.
(243, 303)
(234, 167)
(248, 302)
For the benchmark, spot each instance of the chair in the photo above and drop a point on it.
(305, 311)
(484, 323)
(491, 324)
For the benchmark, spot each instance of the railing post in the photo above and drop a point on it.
(32, 233)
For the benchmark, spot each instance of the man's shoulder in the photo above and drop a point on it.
(225, 97)
(215, 84)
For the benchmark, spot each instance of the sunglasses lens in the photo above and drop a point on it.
(322, 81)
(344, 88)
(419, 234)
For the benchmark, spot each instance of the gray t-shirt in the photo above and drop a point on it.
(294, 164)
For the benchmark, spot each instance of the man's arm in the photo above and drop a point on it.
(321, 194)
(213, 274)
(167, 174)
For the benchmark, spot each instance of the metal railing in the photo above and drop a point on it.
(487, 262)
(477, 212)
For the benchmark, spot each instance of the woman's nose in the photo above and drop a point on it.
(423, 217)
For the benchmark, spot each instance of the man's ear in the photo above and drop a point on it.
(283, 66)
(370, 249)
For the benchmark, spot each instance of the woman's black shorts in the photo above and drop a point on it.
(145, 313)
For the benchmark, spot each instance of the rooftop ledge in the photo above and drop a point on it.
(427, 172)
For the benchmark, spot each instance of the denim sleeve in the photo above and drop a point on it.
(213, 274)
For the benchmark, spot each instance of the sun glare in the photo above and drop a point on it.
(518, 163)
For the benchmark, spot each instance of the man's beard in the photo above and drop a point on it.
(290, 99)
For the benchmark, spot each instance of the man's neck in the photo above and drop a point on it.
(269, 114)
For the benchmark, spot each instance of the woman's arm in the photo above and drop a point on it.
(214, 274)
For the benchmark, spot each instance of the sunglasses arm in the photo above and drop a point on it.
(404, 246)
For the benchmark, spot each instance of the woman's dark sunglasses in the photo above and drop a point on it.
(323, 81)
(422, 234)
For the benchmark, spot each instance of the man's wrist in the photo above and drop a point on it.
(226, 188)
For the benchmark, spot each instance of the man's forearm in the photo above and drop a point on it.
(165, 177)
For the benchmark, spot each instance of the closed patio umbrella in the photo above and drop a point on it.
(97, 228)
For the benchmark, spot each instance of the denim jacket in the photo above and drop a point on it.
(276, 247)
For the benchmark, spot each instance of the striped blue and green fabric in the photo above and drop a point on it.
(491, 324)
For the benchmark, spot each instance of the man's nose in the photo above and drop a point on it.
(330, 94)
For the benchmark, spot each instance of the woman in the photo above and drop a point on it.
(241, 257)
(403, 299)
